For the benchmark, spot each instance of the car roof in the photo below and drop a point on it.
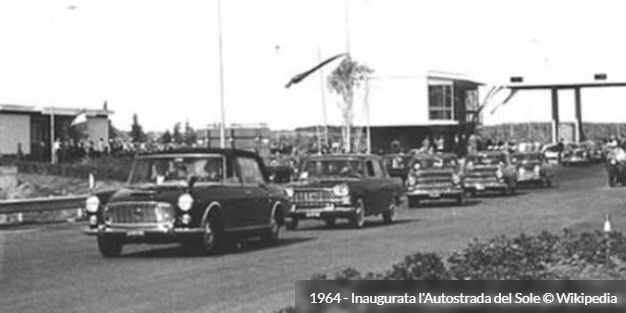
(342, 156)
(489, 153)
(199, 151)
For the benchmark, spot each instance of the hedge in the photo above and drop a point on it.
(594, 255)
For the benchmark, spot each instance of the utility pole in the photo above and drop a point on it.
(221, 61)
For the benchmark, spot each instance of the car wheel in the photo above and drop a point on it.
(389, 216)
(110, 246)
(330, 221)
(414, 202)
(460, 200)
(211, 240)
(292, 224)
(358, 220)
(272, 235)
(612, 179)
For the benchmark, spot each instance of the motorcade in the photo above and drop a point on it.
(343, 186)
(205, 199)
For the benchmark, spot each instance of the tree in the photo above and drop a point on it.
(189, 136)
(136, 131)
(166, 137)
(112, 131)
(177, 137)
(343, 81)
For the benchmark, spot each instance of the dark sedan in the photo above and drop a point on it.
(206, 199)
(350, 186)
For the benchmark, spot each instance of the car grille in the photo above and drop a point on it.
(312, 198)
(481, 175)
(140, 213)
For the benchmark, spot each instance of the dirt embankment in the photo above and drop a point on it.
(35, 186)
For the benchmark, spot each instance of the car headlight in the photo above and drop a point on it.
(92, 204)
(411, 180)
(185, 201)
(521, 170)
(613, 161)
(341, 190)
(289, 192)
(456, 179)
(537, 169)
(499, 173)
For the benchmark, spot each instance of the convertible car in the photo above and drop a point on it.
(206, 199)
(532, 167)
(349, 186)
(433, 177)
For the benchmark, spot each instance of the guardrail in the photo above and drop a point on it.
(42, 204)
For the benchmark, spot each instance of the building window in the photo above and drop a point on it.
(440, 101)
(472, 105)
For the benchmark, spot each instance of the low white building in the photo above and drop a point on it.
(30, 129)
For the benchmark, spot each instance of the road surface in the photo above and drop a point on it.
(54, 268)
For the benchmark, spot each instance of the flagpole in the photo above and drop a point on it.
(52, 156)
(323, 96)
(221, 61)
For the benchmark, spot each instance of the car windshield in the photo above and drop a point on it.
(177, 170)
(519, 158)
(333, 168)
(486, 159)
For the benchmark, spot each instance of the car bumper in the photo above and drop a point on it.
(330, 211)
(478, 186)
(575, 160)
(529, 178)
(132, 233)
(434, 193)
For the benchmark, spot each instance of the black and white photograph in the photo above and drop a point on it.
(306, 155)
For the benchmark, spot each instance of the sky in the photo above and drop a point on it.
(159, 58)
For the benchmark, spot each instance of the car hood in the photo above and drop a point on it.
(322, 182)
(483, 168)
(156, 193)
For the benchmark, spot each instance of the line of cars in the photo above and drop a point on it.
(444, 176)
(210, 199)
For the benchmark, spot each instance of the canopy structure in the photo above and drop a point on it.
(599, 82)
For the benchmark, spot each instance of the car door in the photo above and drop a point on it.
(255, 193)
(373, 186)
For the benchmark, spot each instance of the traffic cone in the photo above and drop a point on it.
(607, 223)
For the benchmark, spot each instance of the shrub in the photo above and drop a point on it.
(419, 266)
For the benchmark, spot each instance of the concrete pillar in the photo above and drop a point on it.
(555, 115)
(578, 115)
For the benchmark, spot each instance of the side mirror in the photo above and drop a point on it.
(192, 181)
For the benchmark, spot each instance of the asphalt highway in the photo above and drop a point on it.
(55, 268)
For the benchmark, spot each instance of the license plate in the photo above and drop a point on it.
(434, 195)
(135, 233)
(313, 214)
(480, 187)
